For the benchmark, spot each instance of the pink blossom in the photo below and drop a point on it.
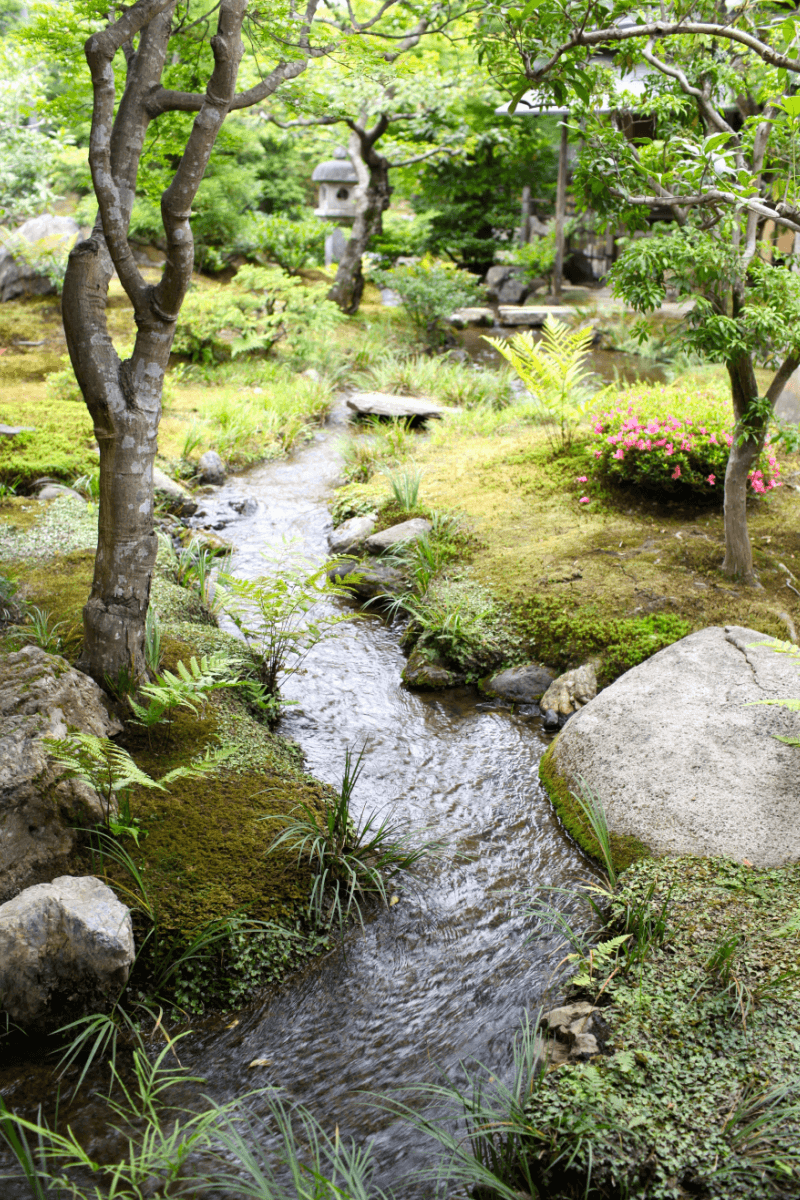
(583, 500)
(712, 479)
(713, 440)
(620, 453)
(668, 448)
(598, 453)
(676, 474)
(583, 479)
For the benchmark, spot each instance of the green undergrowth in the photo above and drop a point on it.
(200, 872)
(696, 1093)
(625, 849)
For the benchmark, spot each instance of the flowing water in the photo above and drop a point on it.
(446, 973)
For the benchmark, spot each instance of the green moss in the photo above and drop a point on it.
(566, 638)
(62, 445)
(61, 586)
(625, 849)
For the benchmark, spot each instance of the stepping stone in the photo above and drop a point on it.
(406, 531)
(13, 430)
(472, 316)
(380, 404)
(521, 314)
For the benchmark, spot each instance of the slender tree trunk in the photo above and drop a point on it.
(373, 198)
(744, 452)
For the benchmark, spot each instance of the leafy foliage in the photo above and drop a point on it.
(187, 689)
(291, 241)
(431, 290)
(261, 306)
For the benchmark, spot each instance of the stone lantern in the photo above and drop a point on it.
(337, 185)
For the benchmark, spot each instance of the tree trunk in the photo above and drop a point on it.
(738, 561)
(373, 198)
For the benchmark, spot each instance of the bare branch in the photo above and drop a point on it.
(706, 108)
(711, 198)
(407, 162)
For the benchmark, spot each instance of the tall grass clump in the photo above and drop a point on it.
(405, 487)
(453, 383)
(352, 858)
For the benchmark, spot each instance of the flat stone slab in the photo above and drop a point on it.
(13, 430)
(406, 531)
(681, 762)
(351, 533)
(381, 404)
(473, 316)
(535, 315)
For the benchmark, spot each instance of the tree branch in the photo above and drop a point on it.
(707, 199)
(706, 108)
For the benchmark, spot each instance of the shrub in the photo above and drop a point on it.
(261, 306)
(674, 441)
(431, 290)
(289, 242)
(402, 235)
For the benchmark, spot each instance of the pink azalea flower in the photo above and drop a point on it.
(712, 479)
(598, 453)
(668, 448)
(583, 500)
(583, 479)
(619, 453)
(676, 474)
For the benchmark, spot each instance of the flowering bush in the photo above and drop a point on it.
(673, 440)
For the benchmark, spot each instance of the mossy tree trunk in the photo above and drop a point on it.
(373, 196)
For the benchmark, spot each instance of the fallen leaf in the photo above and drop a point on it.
(260, 1062)
(233, 1024)
(394, 900)
(747, 862)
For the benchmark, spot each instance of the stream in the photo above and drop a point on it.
(447, 972)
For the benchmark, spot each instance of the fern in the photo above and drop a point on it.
(552, 370)
(188, 689)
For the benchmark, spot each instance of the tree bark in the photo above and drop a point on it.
(373, 196)
(124, 398)
(738, 561)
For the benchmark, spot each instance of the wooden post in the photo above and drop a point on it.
(561, 208)
(525, 216)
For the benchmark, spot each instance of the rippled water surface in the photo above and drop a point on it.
(446, 973)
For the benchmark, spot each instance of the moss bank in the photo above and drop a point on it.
(696, 1091)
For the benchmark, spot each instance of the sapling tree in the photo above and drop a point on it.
(161, 43)
(716, 164)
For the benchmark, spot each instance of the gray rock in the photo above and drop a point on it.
(550, 720)
(520, 685)
(16, 277)
(211, 468)
(51, 491)
(381, 404)
(406, 531)
(177, 498)
(680, 760)
(66, 949)
(571, 690)
(572, 1024)
(494, 279)
(41, 695)
(390, 298)
(351, 533)
(428, 673)
(372, 581)
(513, 291)
(472, 316)
(13, 430)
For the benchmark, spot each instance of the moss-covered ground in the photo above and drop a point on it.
(202, 856)
(695, 1093)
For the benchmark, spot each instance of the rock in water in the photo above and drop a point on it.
(520, 685)
(66, 949)
(679, 759)
(428, 673)
(211, 468)
(177, 498)
(40, 696)
(351, 533)
(369, 581)
(406, 531)
(571, 691)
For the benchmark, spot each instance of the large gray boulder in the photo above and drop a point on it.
(66, 949)
(679, 759)
(41, 695)
(17, 278)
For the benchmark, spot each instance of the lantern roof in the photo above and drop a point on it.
(336, 171)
